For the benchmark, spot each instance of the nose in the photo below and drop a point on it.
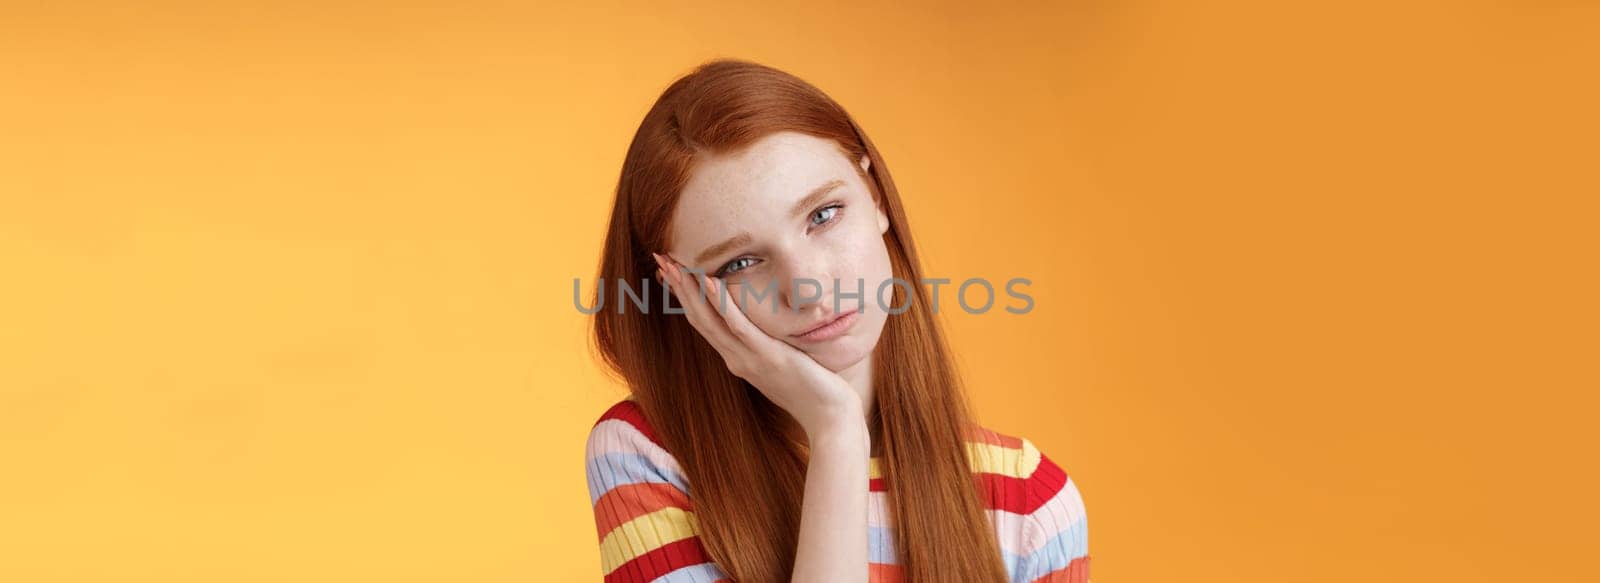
(807, 284)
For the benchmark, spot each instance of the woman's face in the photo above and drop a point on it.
(789, 208)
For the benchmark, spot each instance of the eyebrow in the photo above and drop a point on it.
(805, 204)
(816, 195)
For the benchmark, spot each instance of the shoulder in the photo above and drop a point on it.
(1019, 477)
(622, 450)
(624, 416)
(642, 510)
(1049, 526)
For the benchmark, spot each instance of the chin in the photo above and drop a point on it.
(848, 350)
(841, 355)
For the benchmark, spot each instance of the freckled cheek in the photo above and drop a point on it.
(863, 256)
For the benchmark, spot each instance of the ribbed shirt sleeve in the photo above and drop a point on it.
(1055, 535)
(642, 511)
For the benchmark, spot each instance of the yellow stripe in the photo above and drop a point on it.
(646, 533)
(987, 457)
(1007, 461)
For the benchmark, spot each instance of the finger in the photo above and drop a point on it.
(706, 317)
(738, 322)
(756, 344)
(700, 315)
(693, 312)
(716, 297)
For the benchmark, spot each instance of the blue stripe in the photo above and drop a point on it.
(617, 469)
(1054, 555)
(1013, 566)
(880, 545)
(701, 573)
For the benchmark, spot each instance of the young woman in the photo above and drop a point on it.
(800, 419)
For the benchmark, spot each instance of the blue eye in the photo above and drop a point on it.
(728, 267)
(825, 213)
(820, 217)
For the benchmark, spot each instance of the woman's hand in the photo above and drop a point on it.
(818, 398)
(833, 516)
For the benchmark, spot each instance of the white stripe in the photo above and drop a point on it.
(1057, 514)
(618, 436)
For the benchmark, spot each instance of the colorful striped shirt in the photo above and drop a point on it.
(646, 523)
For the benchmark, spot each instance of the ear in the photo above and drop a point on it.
(883, 219)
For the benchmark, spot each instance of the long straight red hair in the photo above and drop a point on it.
(745, 457)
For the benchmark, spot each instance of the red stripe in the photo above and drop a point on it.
(885, 573)
(1023, 496)
(630, 501)
(629, 411)
(1019, 495)
(665, 559)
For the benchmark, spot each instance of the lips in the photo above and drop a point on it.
(819, 325)
(830, 329)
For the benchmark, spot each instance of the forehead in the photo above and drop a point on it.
(733, 192)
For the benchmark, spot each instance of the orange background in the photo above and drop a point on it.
(288, 284)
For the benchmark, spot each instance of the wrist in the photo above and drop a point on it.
(842, 424)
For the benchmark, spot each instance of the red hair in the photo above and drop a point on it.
(744, 456)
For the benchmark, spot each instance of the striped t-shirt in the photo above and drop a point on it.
(646, 523)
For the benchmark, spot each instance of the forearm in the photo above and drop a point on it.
(833, 516)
